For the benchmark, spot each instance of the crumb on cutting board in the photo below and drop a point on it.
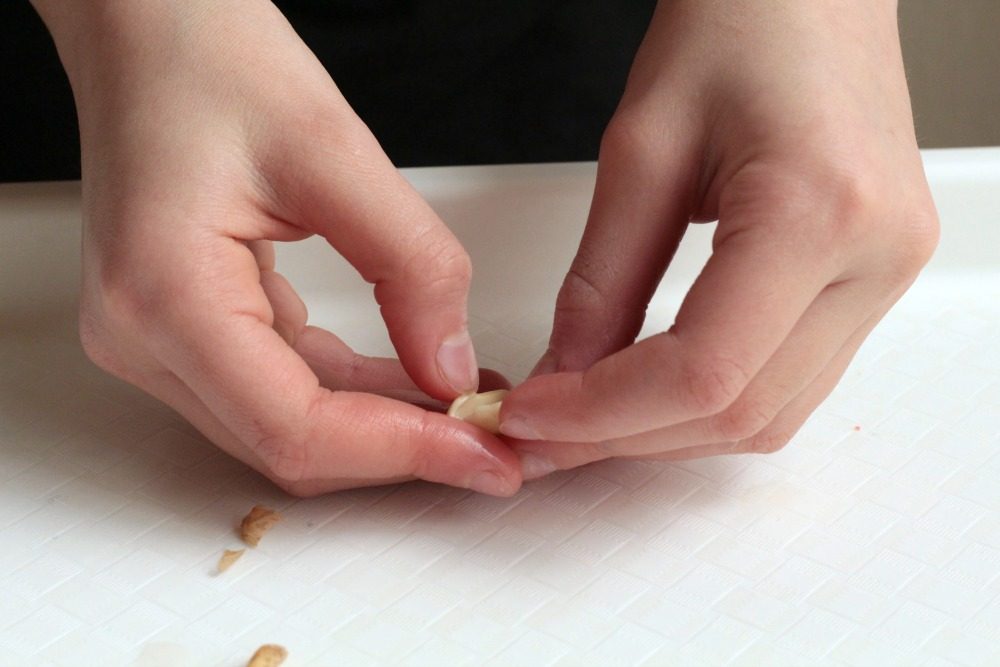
(256, 523)
(229, 556)
(268, 655)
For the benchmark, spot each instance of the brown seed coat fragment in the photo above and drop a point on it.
(256, 523)
(229, 556)
(268, 655)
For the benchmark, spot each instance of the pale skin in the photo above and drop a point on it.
(209, 130)
(789, 122)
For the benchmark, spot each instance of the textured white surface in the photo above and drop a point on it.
(876, 546)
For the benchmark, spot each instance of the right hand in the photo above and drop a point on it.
(803, 149)
(209, 130)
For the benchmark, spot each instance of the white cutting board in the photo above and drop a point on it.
(876, 546)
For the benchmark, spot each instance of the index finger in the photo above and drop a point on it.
(220, 344)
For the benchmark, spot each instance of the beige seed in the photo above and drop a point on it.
(268, 655)
(256, 523)
(229, 556)
(482, 410)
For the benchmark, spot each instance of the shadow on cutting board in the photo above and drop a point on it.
(102, 458)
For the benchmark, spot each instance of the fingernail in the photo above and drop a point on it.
(534, 466)
(456, 362)
(516, 427)
(546, 365)
(490, 483)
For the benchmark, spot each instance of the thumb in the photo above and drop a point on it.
(349, 192)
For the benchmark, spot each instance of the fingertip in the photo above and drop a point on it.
(519, 428)
(456, 363)
(534, 466)
(492, 484)
(555, 407)
(502, 474)
(522, 409)
(465, 456)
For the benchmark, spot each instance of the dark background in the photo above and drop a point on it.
(437, 81)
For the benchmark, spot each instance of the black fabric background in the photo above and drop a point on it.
(438, 81)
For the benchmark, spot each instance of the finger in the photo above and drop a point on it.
(289, 312)
(640, 209)
(220, 344)
(787, 423)
(777, 434)
(263, 252)
(338, 367)
(348, 191)
(168, 388)
(791, 418)
(841, 313)
(749, 297)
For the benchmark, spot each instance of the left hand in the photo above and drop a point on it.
(209, 130)
(789, 123)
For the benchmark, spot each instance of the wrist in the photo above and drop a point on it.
(103, 41)
(96, 38)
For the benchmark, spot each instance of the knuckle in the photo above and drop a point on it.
(743, 420)
(627, 136)
(862, 215)
(420, 459)
(453, 261)
(96, 345)
(120, 299)
(855, 198)
(917, 243)
(440, 264)
(128, 302)
(714, 384)
(852, 207)
(863, 212)
(100, 345)
(329, 127)
(429, 448)
(579, 293)
(834, 206)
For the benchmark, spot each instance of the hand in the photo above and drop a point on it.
(790, 124)
(209, 130)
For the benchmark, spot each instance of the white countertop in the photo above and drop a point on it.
(874, 545)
